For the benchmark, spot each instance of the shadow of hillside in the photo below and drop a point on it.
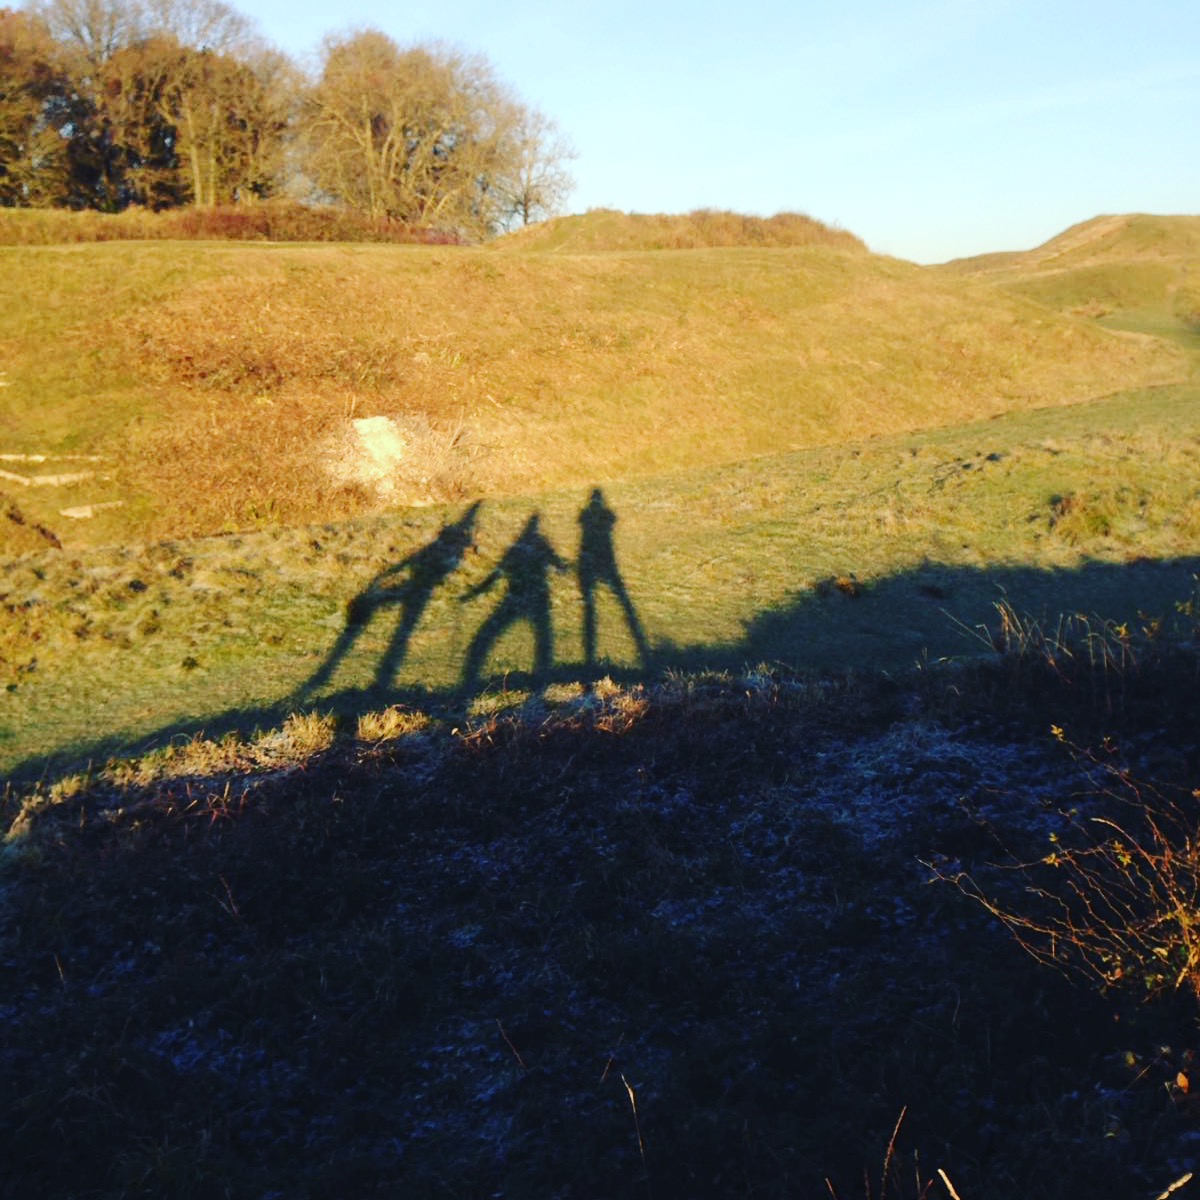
(936, 611)
(929, 613)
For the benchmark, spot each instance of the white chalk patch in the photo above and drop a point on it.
(61, 480)
(383, 446)
(41, 458)
(81, 512)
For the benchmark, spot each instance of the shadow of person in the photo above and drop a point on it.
(525, 568)
(597, 565)
(407, 585)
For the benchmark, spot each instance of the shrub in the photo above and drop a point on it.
(390, 723)
(274, 221)
(1116, 896)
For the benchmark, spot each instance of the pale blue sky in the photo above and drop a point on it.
(930, 128)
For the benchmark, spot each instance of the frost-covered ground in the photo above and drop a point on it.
(651, 945)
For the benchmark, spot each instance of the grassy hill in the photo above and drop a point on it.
(1126, 238)
(762, 422)
(602, 230)
(601, 823)
(216, 384)
(1138, 272)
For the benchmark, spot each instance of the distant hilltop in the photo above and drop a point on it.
(1102, 239)
(602, 229)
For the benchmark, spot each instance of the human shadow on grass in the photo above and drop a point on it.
(597, 567)
(890, 624)
(407, 586)
(524, 571)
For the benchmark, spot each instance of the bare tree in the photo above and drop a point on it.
(535, 182)
(227, 96)
(92, 30)
(230, 115)
(107, 103)
(425, 134)
(205, 25)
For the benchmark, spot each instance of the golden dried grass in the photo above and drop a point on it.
(601, 230)
(542, 372)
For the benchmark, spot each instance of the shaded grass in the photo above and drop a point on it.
(439, 964)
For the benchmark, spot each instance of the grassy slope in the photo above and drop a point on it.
(929, 524)
(216, 379)
(445, 962)
(725, 563)
(1136, 272)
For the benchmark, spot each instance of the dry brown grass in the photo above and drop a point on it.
(18, 533)
(603, 230)
(387, 724)
(528, 373)
(1114, 896)
(1121, 239)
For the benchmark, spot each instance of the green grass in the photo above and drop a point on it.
(1060, 510)
(1133, 273)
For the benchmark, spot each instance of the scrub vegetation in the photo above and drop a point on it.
(754, 756)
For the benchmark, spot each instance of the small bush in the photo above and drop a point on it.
(1086, 657)
(390, 723)
(1116, 896)
(301, 736)
(843, 585)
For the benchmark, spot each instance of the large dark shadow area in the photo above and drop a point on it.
(676, 947)
(454, 965)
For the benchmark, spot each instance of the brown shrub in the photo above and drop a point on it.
(273, 221)
(1114, 898)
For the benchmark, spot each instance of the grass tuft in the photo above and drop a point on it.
(388, 724)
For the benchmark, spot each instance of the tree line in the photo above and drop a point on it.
(108, 104)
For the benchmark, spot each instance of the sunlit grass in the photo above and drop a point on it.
(278, 924)
(218, 382)
(928, 527)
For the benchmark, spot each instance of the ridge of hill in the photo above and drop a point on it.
(601, 230)
(1136, 272)
(219, 383)
(1124, 237)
